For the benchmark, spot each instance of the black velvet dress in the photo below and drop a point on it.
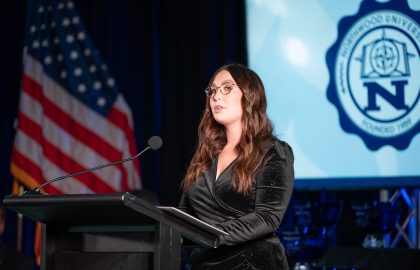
(251, 221)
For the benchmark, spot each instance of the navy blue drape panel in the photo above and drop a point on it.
(161, 53)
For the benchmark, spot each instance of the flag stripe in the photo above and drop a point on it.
(124, 116)
(84, 115)
(121, 120)
(32, 150)
(71, 114)
(20, 161)
(68, 144)
(62, 160)
(105, 127)
(27, 126)
(68, 123)
(70, 166)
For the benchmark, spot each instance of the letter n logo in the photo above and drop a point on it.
(397, 100)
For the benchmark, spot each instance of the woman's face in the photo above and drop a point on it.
(226, 107)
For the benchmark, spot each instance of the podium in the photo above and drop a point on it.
(99, 227)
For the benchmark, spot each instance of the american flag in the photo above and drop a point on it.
(71, 115)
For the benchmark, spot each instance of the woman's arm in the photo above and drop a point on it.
(274, 186)
(184, 203)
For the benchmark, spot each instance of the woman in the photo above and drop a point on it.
(241, 177)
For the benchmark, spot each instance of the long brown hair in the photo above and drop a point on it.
(257, 131)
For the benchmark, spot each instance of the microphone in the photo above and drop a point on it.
(154, 143)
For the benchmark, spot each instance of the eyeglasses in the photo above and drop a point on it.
(225, 89)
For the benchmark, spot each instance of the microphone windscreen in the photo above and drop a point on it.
(155, 142)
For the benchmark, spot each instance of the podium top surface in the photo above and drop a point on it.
(84, 209)
(115, 210)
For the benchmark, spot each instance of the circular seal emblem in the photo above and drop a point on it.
(374, 70)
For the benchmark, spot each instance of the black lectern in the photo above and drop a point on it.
(107, 225)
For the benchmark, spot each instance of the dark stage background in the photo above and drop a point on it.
(161, 53)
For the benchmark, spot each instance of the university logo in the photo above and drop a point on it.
(374, 70)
